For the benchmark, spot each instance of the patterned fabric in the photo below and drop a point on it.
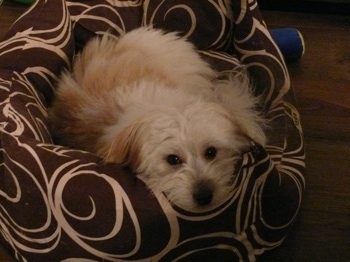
(61, 204)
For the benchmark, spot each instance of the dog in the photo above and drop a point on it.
(149, 101)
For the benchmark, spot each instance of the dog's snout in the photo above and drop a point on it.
(203, 194)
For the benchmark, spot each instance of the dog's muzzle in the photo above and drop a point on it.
(203, 193)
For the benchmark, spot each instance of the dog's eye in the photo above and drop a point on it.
(173, 160)
(210, 153)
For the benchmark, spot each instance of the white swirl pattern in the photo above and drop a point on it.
(182, 16)
(60, 211)
(60, 204)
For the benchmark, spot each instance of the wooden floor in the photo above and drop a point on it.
(321, 82)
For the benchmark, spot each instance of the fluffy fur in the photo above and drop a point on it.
(148, 101)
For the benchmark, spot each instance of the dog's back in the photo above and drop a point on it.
(142, 54)
(107, 69)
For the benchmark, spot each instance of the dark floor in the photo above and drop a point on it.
(321, 82)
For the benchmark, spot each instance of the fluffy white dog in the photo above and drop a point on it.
(148, 101)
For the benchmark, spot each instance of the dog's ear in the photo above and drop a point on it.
(252, 130)
(246, 130)
(249, 126)
(125, 148)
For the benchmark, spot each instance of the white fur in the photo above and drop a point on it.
(148, 96)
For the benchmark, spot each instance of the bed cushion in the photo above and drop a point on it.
(59, 203)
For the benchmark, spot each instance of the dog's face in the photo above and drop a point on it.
(189, 155)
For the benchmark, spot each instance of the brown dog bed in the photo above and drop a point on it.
(59, 203)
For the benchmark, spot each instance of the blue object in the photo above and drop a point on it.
(290, 41)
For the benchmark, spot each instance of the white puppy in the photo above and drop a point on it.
(149, 102)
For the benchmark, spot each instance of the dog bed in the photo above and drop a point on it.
(62, 204)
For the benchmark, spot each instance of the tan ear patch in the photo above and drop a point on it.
(125, 148)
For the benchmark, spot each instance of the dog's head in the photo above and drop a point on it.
(189, 155)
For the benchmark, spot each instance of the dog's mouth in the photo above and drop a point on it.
(203, 193)
(204, 199)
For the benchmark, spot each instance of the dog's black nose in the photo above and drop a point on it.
(203, 194)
